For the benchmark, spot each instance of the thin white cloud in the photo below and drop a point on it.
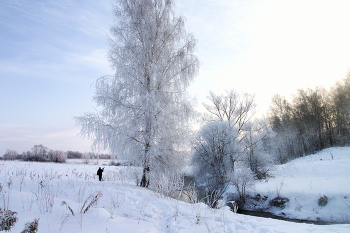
(97, 59)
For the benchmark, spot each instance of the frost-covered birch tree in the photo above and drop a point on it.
(144, 108)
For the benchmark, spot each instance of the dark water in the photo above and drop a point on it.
(269, 215)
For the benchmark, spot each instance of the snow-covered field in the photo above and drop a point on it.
(37, 190)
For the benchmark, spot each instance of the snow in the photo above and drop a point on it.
(37, 190)
(303, 181)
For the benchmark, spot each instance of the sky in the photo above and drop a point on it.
(51, 52)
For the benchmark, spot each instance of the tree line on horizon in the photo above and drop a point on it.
(41, 153)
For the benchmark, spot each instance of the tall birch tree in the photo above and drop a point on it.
(144, 108)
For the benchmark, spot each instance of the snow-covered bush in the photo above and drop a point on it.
(31, 227)
(323, 200)
(166, 174)
(57, 156)
(253, 137)
(242, 180)
(39, 153)
(10, 155)
(8, 219)
(279, 202)
(167, 184)
(215, 152)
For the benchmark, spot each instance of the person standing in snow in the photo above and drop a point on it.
(99, 173)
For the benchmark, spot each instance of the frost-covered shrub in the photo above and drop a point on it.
(115, 163)
(242, 180)
(31, 227)
(233, 206)
(279, 202)
(234, 198)
(214, 197)
(38, 153)
(57, 156)
(8, 219)
(255, 135)
(169, 184)
(323, 200)
(10, 155)
(216, 151)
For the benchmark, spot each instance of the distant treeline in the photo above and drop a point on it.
(311, 121)
(87, 155)
(43, 154)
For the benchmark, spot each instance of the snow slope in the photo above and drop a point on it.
(37, 190)
(305, 180)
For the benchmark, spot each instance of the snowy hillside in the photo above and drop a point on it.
(54, 192)
(305, 180)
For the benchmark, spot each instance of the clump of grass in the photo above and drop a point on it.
(31, 227)
(68, 207)
(8, 219)
(90, 201)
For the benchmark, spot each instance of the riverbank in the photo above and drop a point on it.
(317, 188)
(272, 216)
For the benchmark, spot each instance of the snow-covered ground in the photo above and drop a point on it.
(305, 180)
(37, 190)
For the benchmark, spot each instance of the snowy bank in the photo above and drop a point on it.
(306, 181)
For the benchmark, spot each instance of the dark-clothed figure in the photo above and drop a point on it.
(99, 173)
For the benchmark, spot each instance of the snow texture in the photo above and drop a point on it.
(37, 191)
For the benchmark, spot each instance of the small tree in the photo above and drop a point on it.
(57, 156)
(39, 153)
(215, 152)
(220, 142)
(255, 134)
(10, 155)
(242, 180)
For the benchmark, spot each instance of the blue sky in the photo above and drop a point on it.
(52, 51)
